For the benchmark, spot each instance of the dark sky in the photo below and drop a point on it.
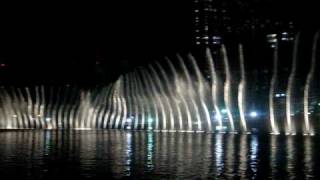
(46, 43)
(59, 39)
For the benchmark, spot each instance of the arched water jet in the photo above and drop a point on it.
(19, 106)
(103, 106)
(214, 88)
(115, 99)
(29, 109)
(106, 114)
(274, 127)
(189, 84)
(162, 92)
(290, 127)
(157, 99)
(136, 101)
(42, 106)
(36, 108)
(151, 103)
(61, 108)
(181, 97)
(96, 103)
(73, 108)
(227, 87)
(119, 103)
(170, 94)
(124, 103)
(142, 100)
(201, 91)
(242, 91)
(308, 127)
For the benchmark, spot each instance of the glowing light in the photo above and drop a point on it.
(220, 128)
(150, 120)
(278, 95)
(272, 38)
(14, 116)
(217, 117)
(129, 120)
(253, 114)
(82, 128)
(224, 111)
(48, 119)
(216, 40)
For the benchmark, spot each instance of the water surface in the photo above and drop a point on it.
(35, 154)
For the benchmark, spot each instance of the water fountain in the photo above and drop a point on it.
(166, 97)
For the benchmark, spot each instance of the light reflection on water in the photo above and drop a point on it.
(101, 154)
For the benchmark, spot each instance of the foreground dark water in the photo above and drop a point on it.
(141, 155)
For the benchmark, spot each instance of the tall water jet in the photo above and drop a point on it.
(103, 108)
(227, 87)
(136, 101)
(61, 108)
(201, 91)
(124, 103)
(17, 108)
(152, 104)
(29, 109)
(144, 108)
(42, 106)
(179, 93)
(308, 128)
(242, 91)
(109, 108)
(290, 127)
(155, 75)
(170, 94)
(97, 103)
(133, 109)
(189, 86)
(214, 88)
(274, 127)
(119, 102)
(157, 100)
(115, 100)
(36, 108)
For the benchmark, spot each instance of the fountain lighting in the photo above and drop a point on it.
(169, 96)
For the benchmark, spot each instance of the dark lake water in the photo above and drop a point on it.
(141, 155)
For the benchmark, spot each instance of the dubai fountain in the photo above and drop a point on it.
(166, 96)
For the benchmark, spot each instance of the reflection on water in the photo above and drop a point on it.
(101, 154)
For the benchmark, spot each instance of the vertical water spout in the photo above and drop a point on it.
(190, 88)
(242, 91)
(181, 97)
(274, 127)
(227, 87)
(163, 94)
(170, 94)
(119, 103)
(137, 103)
(290, 127)
(156, 99)
(308, 128)
(214, 88)
(201, 91)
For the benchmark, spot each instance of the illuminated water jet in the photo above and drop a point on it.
(308, 127)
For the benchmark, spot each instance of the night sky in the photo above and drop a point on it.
(87, 44)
